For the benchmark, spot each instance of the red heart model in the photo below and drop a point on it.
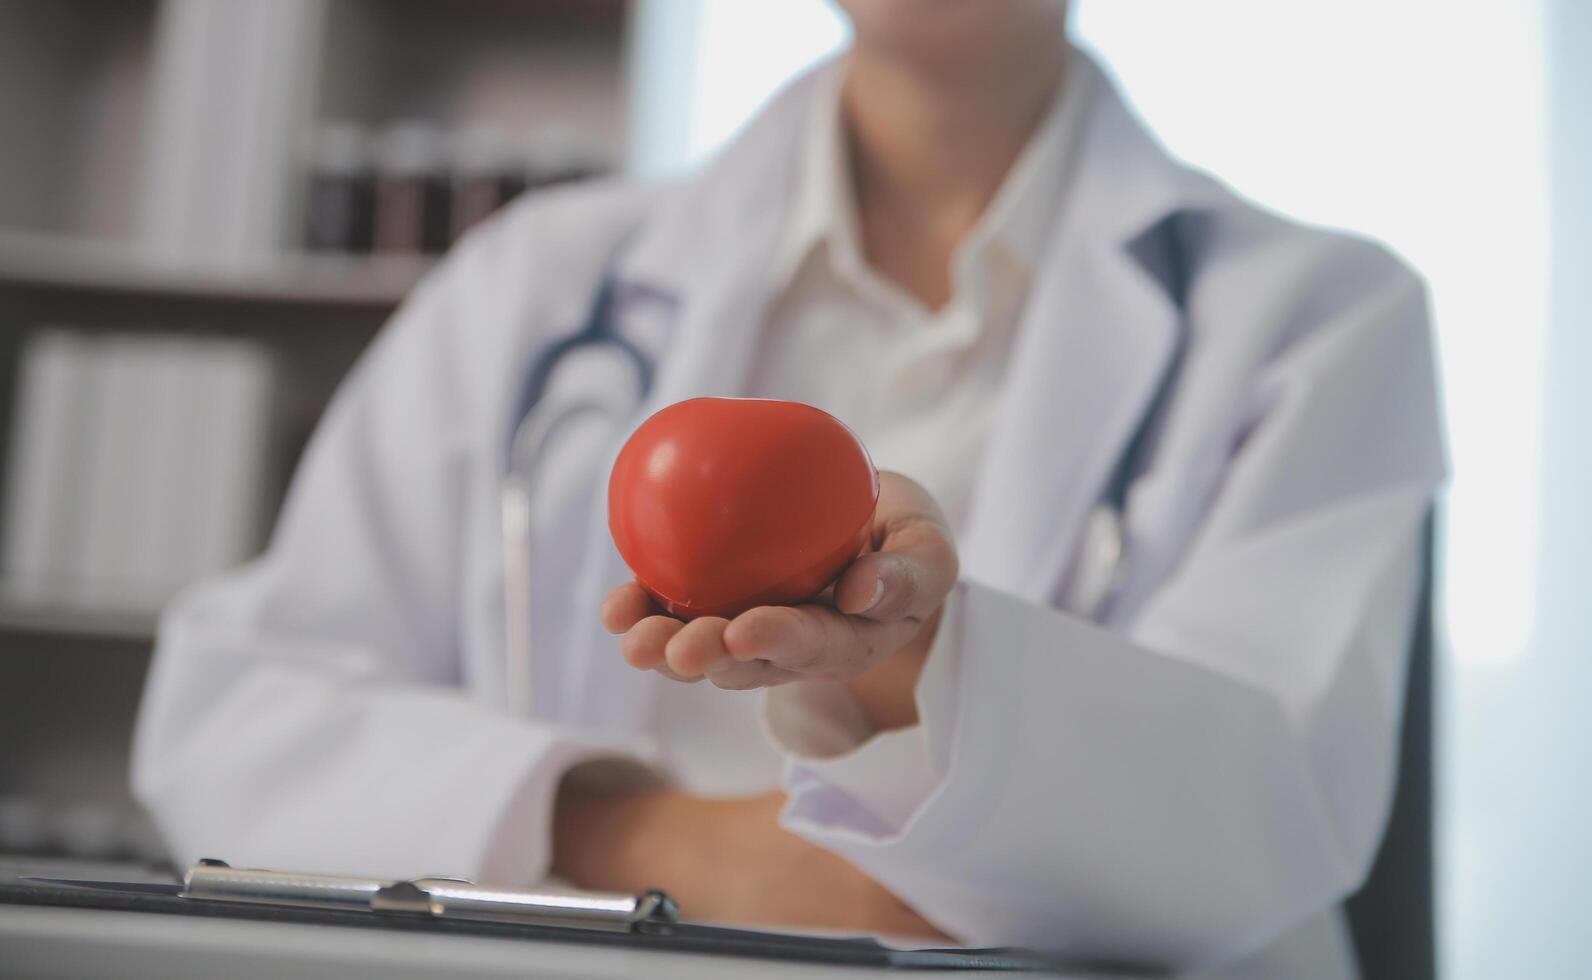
(722, 504)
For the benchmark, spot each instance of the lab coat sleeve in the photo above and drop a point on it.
(1184, 788)
(303, 712)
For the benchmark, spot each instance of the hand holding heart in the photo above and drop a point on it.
(881, 603)
(885, 601)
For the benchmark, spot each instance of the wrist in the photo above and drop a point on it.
(887, 691)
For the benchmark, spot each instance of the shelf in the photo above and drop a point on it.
(93, 624)
(29, 259)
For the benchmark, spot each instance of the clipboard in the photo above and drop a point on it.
(651, 920)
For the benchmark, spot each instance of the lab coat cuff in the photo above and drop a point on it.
(876, 783)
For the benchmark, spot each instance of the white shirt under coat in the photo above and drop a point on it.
(920, 386)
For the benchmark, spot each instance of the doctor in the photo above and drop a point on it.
(1064, 344)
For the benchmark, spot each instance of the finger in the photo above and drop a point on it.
(671, 675)
(733, 675)
(815, 641)
(778, 634)
(908, 576)
(643, 644)
(626, 606)
(697, 647)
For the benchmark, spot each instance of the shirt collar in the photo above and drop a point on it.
(1020, 218)
(823, 210)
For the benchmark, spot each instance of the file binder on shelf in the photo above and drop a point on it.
(452, 905)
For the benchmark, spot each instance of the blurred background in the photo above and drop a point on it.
(207, 207)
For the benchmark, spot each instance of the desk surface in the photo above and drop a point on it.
(82, 944)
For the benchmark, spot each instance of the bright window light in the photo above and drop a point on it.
(1379, 117)
(704, 67)
(746, 51)
(1419, 123)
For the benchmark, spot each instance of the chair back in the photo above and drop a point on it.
(1392, 916)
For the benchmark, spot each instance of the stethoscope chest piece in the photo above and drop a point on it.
(1100, 567)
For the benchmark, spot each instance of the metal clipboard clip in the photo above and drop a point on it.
(437, 897)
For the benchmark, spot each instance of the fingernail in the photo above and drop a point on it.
(878, 593)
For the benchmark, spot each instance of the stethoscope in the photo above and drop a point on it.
(594, 376)
(598, 376)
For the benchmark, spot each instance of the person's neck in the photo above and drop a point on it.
(929, 149)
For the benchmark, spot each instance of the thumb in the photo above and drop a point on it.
(907, 578)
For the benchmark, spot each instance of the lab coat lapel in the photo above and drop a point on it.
(1094, 345)
(710, 246)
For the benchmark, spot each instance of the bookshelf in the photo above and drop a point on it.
(126, 628)
(154, 183)
(161, 185)
(34, 262)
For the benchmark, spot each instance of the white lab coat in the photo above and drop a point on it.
(1201, 778)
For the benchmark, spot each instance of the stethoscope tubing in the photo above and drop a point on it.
(1098, 578)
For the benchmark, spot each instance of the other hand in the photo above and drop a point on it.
(724, 861)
